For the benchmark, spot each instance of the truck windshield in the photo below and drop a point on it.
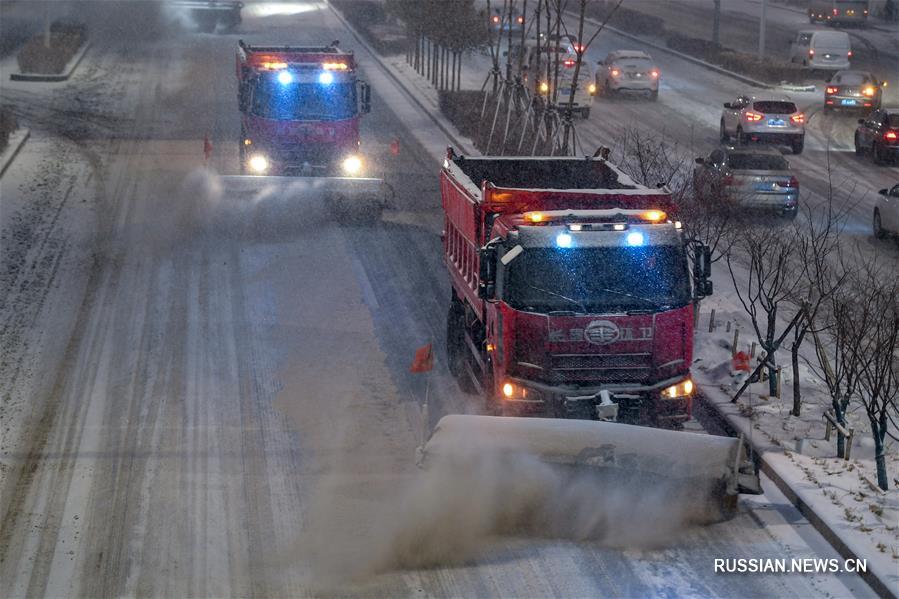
(598, 279)
(304, 101)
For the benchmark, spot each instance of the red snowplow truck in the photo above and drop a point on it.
(300, 108)
(572, 290)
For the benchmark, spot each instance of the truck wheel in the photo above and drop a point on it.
(455, 347)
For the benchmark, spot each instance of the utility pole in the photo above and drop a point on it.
(716, 24)
(762, 23)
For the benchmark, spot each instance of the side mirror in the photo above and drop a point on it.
(702, 262)
(700, 161)
(884, 192)
(487, 273)
(728, 105)
(365, 92)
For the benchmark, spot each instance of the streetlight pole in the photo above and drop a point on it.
(762, 23)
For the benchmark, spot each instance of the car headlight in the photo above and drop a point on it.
(592, 88)
(258, 163)
(682, 389)
(352, 166)
(544, 87)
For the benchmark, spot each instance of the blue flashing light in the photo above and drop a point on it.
(326, 78)
(563, 240)
(285, 77)
(635, 238)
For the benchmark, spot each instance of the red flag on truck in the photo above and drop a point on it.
(424, 359)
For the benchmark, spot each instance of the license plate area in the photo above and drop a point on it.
(848, 102)
(776, 123)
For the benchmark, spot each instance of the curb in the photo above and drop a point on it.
(444, 125)
(66, 72)
(878, 585)
(12, 150)
(681, 55)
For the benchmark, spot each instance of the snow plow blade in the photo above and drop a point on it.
(703, 472)
(350, 200)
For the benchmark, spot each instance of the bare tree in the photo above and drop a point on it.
(818, 249)
(870, 326)
(772, 278)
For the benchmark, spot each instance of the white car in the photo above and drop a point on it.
(774, 120)
(630, 71)
(821, 49)
(886, 213)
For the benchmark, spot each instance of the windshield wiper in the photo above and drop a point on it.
(581, 306)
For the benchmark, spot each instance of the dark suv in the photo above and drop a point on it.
(878, 135)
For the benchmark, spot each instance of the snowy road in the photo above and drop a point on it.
(227, 404)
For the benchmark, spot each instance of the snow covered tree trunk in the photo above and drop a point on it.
(797, 392)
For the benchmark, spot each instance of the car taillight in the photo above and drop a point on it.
(793, 182)
(615, 72)
(797, 118)
(496, 19)
(811, 51)
(753, 116)
(520, 20)
(890, 136)
(849, 54)
(655, 74)
(569, 63)
(869, 91)
(831, 90)
(727, 180)
(836, 12)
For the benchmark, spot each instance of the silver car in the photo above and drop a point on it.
(886, 213)
(628, 71)
(754, 178)
(764, 119)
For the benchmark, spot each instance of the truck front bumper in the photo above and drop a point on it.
(636, 404)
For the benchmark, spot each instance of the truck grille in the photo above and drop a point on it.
(313, 153)
(598, 368)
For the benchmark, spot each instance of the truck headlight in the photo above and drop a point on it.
(682, 389)
(258, 163)
(514, 391)
(352, 166)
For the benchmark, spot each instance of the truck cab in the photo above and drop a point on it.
(581, 305)
(300, 108)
